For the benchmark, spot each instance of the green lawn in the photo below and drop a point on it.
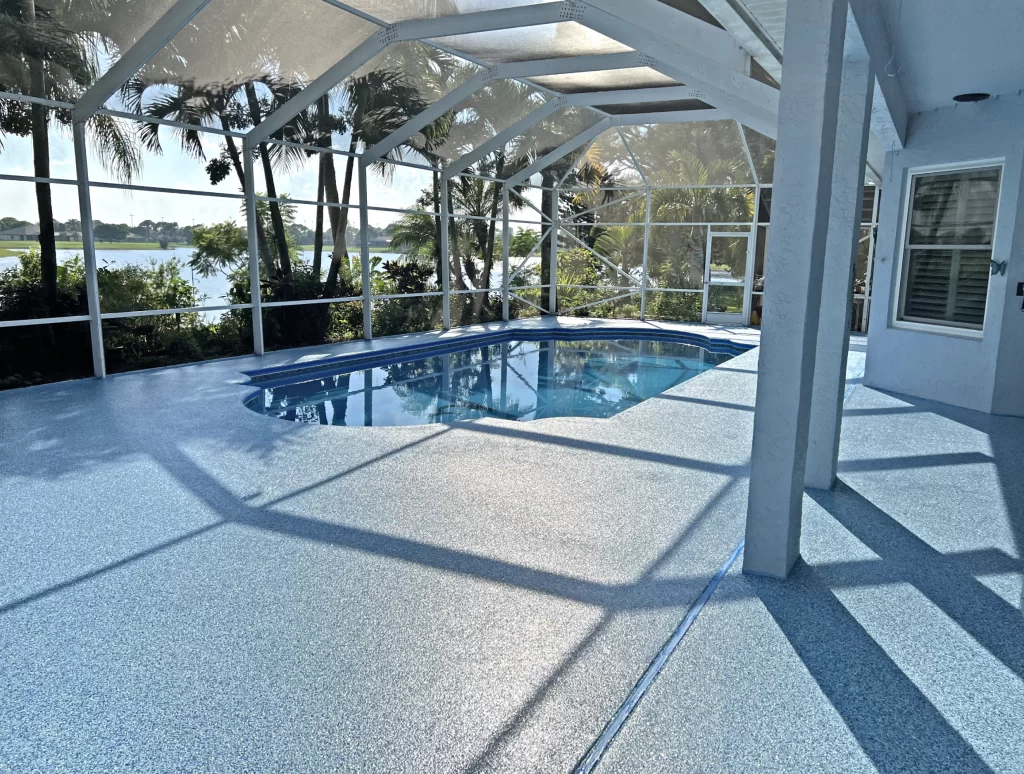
(7, 248)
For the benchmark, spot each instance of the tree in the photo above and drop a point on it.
(522, 242)
(375, 105)
(414, 232)
(110, 232)
(221, 247)
(43, 57)
(6, 224)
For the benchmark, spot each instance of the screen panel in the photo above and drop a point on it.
(392, 11)
(485, 114)
(543, 41)
(235, 42)
(605, 80)
(81, 40)
(695, 153)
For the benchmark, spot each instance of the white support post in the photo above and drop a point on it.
(446, 269)
(808, 111)
(92, 288)
(254, 251)
(855, 98)
(553, 257)
(890, 118)
(364, 253)
(748, 282)
(505, 245)
(647, 244)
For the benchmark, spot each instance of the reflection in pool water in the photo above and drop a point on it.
(518, 380)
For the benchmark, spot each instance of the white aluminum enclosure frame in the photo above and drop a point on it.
(702, 56)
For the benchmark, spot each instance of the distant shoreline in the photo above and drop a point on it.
(11, 249)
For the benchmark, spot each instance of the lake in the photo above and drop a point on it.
(212, 289)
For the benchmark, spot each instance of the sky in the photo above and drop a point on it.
(173, 169)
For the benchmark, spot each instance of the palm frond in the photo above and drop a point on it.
(118, 150)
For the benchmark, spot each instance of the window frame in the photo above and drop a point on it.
(943, 328)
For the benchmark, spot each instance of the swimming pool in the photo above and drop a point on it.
(516, 379)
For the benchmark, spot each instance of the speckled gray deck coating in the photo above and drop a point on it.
(896, 645)
(188, 585)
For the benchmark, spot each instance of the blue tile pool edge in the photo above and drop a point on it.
(280, 375)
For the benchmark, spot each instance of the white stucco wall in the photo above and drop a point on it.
(978, 373)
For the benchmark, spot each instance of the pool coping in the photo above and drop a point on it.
(272, 376)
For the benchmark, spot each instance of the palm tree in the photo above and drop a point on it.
(237, 107)
(376, 104)
(196, 106)
(692, 205)
(624, 244)
(691, 155)
(415, 233)
(42, 57)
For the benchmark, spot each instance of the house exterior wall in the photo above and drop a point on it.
(983, 372)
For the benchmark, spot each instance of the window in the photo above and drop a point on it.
(948, 249)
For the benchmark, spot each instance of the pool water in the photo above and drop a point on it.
(516, 380)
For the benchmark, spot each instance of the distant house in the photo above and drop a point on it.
(27, 233)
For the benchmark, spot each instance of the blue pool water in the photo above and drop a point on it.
(517, 380)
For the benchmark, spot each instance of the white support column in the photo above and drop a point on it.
(364, 253)
(505, 240)
(254, 252)
(808, 110)
(851, 150)
(92, 288)
(446, 267)
(553, 257)
(647, 244)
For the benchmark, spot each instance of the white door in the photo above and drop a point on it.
(725, 278)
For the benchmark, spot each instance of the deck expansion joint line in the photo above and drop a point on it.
(588, 763)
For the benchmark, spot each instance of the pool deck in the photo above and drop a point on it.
(191, 586)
